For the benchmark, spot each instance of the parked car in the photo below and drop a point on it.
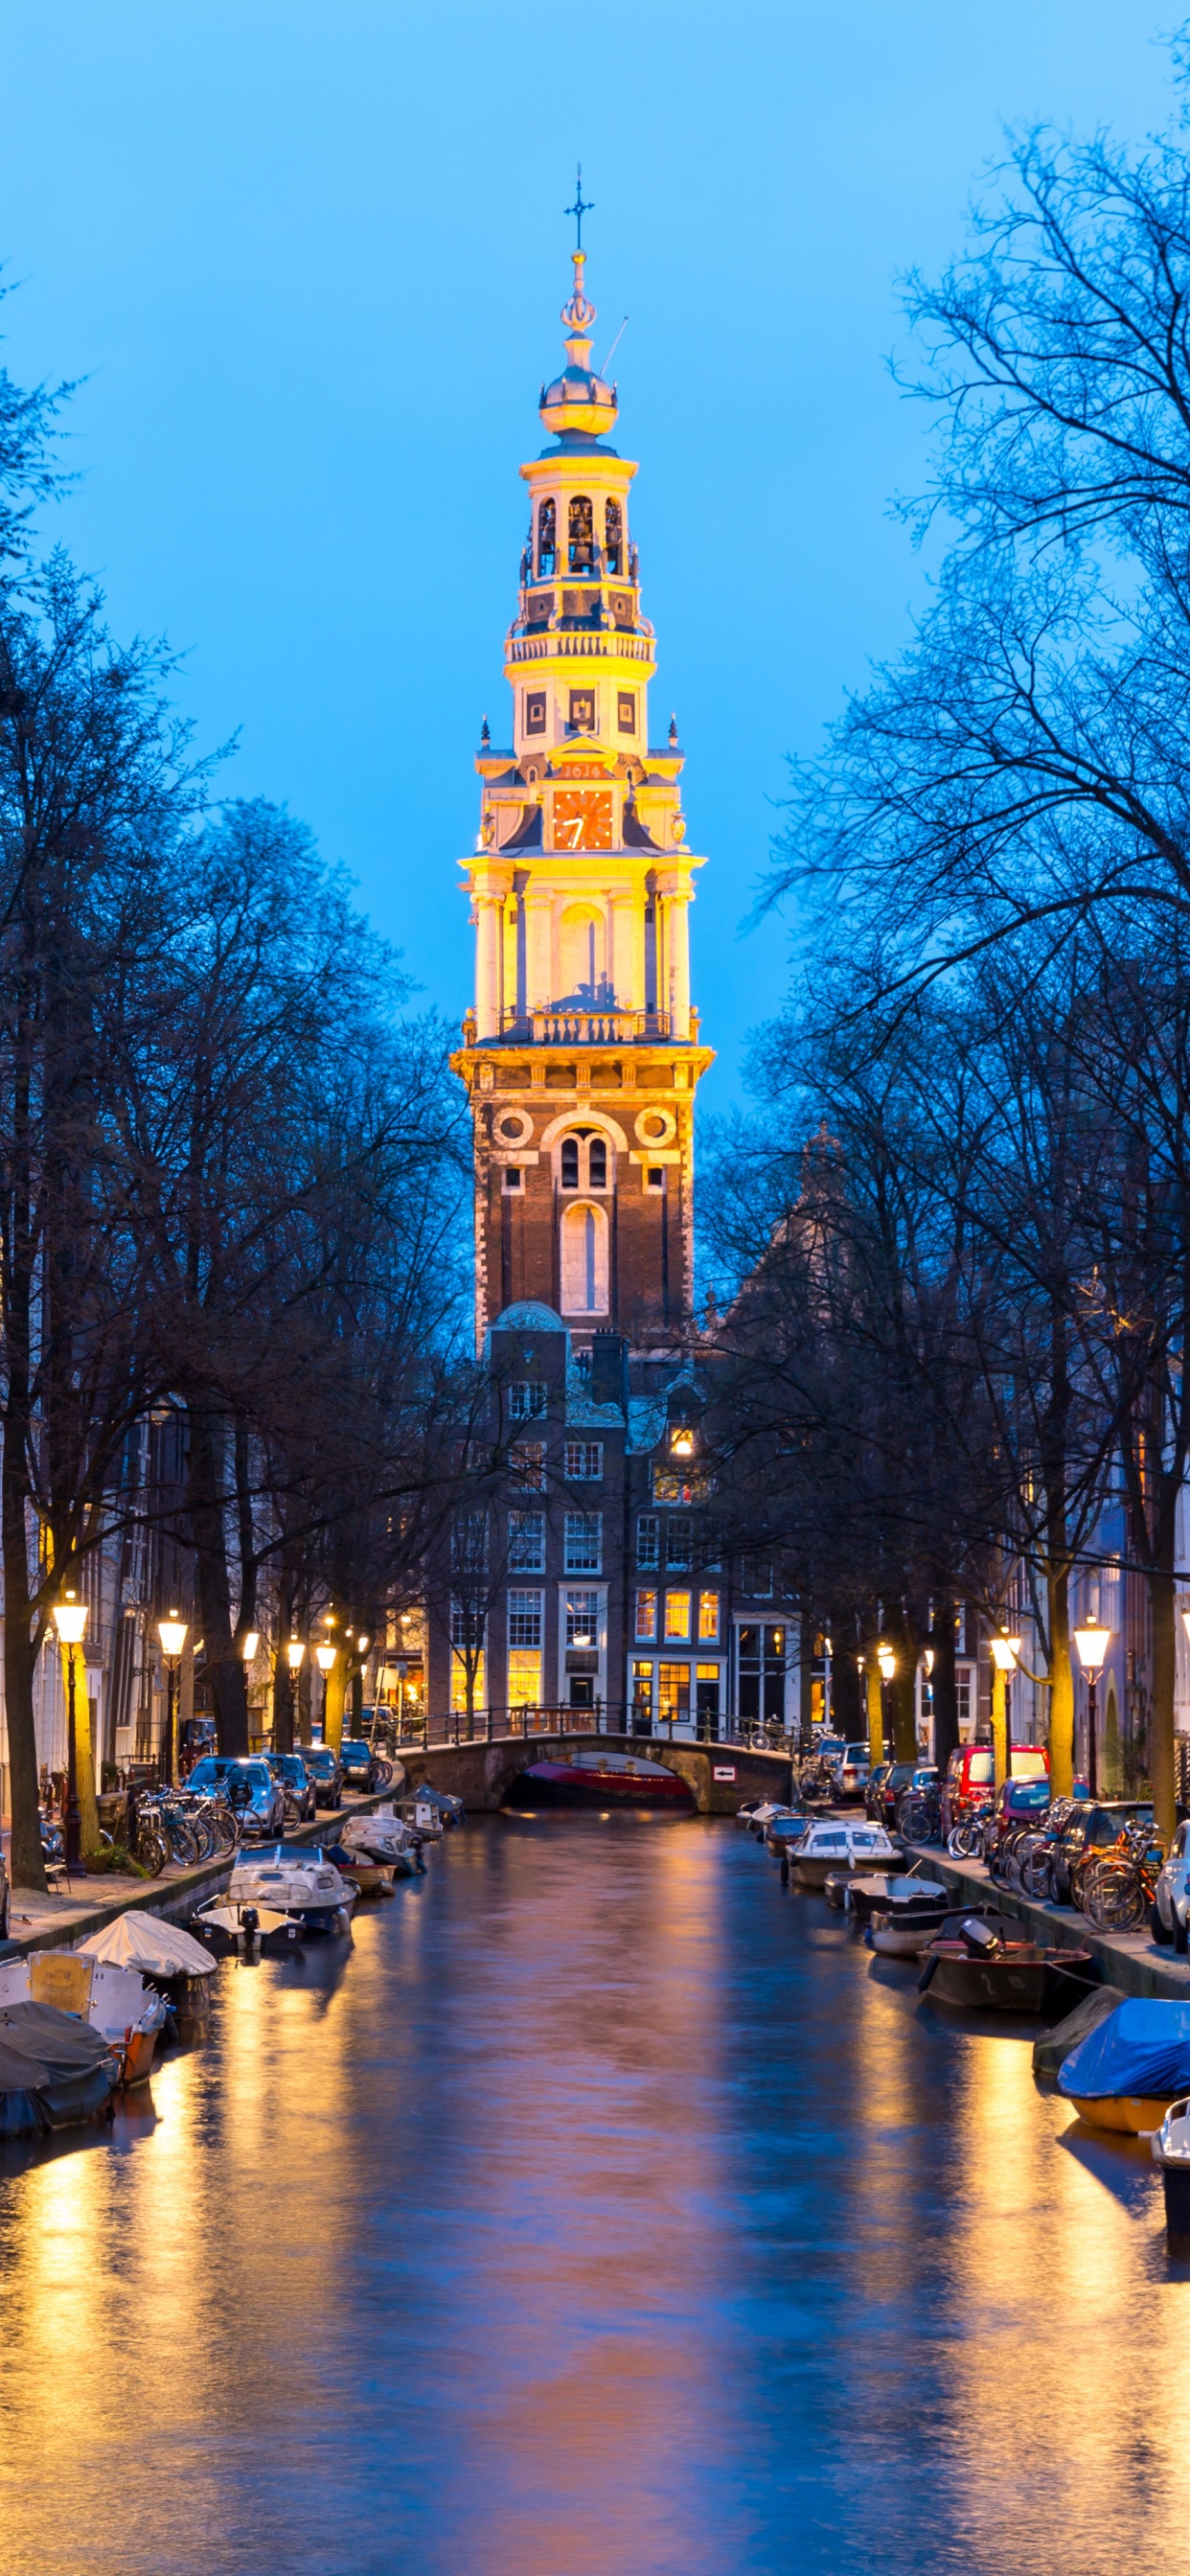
(252, 1793)
(1169, 1919)
(896, 1778)
(1094, 1825)
(291, 1771)
(355, 1762)
(850, 1772)
(970, 1777)
(323, 1767)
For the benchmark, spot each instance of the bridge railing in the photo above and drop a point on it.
(606, 1717)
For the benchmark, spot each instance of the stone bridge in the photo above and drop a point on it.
(481, 1773)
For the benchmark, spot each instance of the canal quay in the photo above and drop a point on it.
(600, 2203)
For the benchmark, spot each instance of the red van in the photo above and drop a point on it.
(970, 1778)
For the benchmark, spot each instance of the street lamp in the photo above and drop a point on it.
(172, 1632)
(1092, 1642)
(248, 1645)
(1005, 1651)
(887, 1662)
(326, 1665)
(70, 1618)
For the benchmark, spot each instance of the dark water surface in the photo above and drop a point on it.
(603, 2207)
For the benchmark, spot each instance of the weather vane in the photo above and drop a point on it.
(580, 208)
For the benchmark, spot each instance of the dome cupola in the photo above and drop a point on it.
(578, 403)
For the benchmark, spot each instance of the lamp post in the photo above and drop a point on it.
(1005, 1651)
(295, 1652)
(70, 1619)
(1092, 1642)
(325, 1657)
(248, 1645)
(172, 1632)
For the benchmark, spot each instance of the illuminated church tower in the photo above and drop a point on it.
(582, 1053)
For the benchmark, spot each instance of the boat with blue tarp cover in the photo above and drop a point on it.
(1126, 2073)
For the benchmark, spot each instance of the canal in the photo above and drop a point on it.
(603, 2210)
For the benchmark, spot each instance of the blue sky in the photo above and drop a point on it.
(309, 255)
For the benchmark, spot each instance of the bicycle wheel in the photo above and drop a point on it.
(151, 1850)
(1037, 1872)
(960, 1841)
(1113, 1898)
(183, 1842)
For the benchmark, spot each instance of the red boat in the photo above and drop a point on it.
(599, 1779)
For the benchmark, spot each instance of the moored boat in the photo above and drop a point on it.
(159, 1951)
(914, 1915)
(602, 1779)
(839, 1848)
(981, 1967)
(55, 2071)
(1127, 2073)
(304, 1885)
(1171, 2150)
(115, 2002)
(864, 1895)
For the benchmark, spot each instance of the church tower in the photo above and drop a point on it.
(582, 1053)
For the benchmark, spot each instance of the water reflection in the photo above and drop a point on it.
(603, 2207)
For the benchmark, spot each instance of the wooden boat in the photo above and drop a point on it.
(913, 1917)
(981, 1969)
(866, 1896)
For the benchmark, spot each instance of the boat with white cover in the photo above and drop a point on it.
(129, 2014)
(303, 1885)
(834, 1845)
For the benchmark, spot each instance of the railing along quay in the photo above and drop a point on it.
(498, 1725)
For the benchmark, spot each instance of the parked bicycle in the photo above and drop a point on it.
(1118, 1891)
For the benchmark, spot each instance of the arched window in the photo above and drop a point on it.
(582, 534)
(570, 1162)
(583, 961)
(613, 526)
(547, 554)
(584, 1261)
(597, 1163)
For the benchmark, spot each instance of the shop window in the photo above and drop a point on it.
(458, 1685)
(646, 1616)
(677, 1617)
(581, 550)
(648, 1540)
(613, 539)
(524, 1678)
(673, 1694)
(642, 1699)
(547, 544)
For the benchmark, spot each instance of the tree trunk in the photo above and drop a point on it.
(84, 1751)
(943, 1682)
(1061, 1684)
(225, 1669)
(1164, 1613)
(282, 1703)
(27, 1862)
(805, 1689)
(336, 1688)
(875, 1708)
(847, 1699)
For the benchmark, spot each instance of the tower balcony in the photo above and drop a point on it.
(576, 1025)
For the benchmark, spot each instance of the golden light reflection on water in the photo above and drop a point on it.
(600, 2206)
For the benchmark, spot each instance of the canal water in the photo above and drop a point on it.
(603, 2210)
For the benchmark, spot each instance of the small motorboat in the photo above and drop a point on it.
(983, 1966)
(55, 2071)
(1171, 2150)
(759, 1817)
(862, 1896)
(596, 1778)
(116, 2002)
(368, 1876)
(238, 1930)
(831, 1847)
(1128, 2072)
(383, 1838)
(161, 1952)
(303, 1885)
(916, 1910)
(783, 1833)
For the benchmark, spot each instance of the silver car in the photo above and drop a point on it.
(256, 1799)
(1171, 1901)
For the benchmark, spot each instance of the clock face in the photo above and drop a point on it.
(582, 818)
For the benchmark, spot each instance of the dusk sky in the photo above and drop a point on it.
(310, 260)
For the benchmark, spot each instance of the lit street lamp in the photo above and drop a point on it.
(70, 1618)
(172, 1632)
(1092, 1642)
(1005, 1654)
(326, 1664)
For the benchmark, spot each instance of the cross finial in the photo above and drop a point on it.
(582, 206)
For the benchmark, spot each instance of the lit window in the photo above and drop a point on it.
(527, 1462)
(526, 1542)
(584, 1461)
(642, 1694)
(458, 1684)
(524, 1618)
(582, 1619)
(679, 1546)
(648, 1540)
(677, 1616)
(670, 1487)
(526, 1397)
(646, 1615)
(583, 1542)
(673, 1694)
(708, 1614)
(682, 1441)
(524, 1678)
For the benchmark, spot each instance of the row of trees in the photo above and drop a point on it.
(972, 1290)
(231, 1170)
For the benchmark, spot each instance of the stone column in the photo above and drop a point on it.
(677, 931)
(488, 909)
(539, 914)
